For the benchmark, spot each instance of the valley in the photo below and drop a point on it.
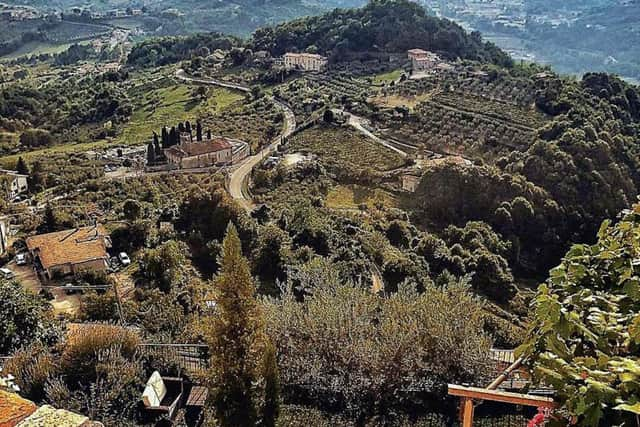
(357, 218)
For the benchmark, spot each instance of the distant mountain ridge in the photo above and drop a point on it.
(238, 17)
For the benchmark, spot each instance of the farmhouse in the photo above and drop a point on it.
(304, 61)
(422, 60)
(13, 184)
(70, 251)
(214, 152)
(410, 181)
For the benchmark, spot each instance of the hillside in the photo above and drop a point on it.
(380, 26)
(318, 243)
(238, 17)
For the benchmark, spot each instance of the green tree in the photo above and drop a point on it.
(341, 344)
(198, 131)
(271, 254)
(236, 332)
(585, 334)
(50, 221)
(24, 318)
(151, 154)
(163, 266)
(132, 209)
(328, 116)
(21, 167)
(271, 407)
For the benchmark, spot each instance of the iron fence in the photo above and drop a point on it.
(189, 357)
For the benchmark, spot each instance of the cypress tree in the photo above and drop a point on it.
(173, 137)
(271, 408)
(198, 131)
(209, 134)
(158, 149)
(151, 154)
(165, 137)
(236, 332)
(50, 222)
(21, 167)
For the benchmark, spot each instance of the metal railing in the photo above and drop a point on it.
(189, 357)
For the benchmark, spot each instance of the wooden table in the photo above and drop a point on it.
(197, 396)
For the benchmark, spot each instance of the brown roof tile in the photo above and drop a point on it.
(199, 148)
(70, 246)
(14, 409)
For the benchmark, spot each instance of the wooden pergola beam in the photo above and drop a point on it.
(475, 393)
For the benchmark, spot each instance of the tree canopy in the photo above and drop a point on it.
(585, 334)
(24, 318)
(380, 26)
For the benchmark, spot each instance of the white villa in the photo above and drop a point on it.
(304, 61)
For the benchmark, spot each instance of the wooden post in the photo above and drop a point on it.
(467, 412)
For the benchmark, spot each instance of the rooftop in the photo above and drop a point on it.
(16, 411)
(14, 408)
(191, 149)
(305, 55)
(12, 173)
(70, 246)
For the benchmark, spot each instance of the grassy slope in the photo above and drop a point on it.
(39, 48)
(168, 106)
(388, 77)
(352, 196)
(342, 145)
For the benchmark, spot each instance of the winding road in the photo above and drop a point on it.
(237, 183)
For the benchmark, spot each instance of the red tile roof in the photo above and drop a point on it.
(192, 149)
(70, 246)
(14, 409)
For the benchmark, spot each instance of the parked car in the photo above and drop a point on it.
(124, 258)
(6, 273)
(68, 288)
(21, 259)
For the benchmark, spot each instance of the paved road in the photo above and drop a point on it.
(238, 177)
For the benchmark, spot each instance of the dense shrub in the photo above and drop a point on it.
(346, 348)
(24, 318)
(79, 357)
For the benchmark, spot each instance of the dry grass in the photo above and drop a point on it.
(395, 100)
(353, 196)
(84, 343)
(346, 146)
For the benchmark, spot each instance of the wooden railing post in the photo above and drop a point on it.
(466, 405)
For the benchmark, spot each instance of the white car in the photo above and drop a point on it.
(124, 258)
(21, 259)
(6, 273)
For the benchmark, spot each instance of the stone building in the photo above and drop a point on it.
(13, 184)
(422, 60)
(304, 61)
(187, 155)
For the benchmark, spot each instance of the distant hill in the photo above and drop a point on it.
(380, 26)
(238, 17)
(574, 36)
